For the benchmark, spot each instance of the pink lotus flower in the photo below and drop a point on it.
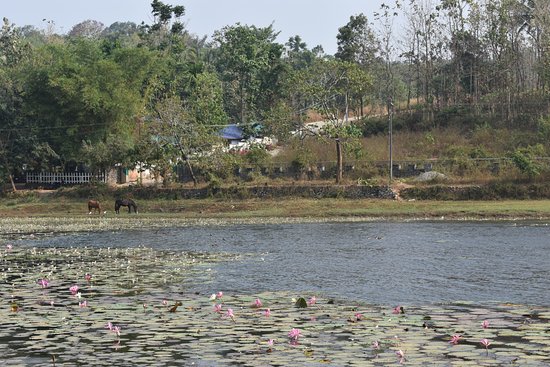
(358, 316)
(455, 338)
(164, 302)
(230, 314)
(311, 301)
(267, 312)
(293, 335)
(485, 324)
(88, 277)
(257, 303)
(116, 330)
(74, 290)
(219, 295)
(218, 308)
(401, 355)
(44, 283)
(83, 304)
(270, 345)
(9, 247)
(485, 343)
(397, 310)
(113, 328)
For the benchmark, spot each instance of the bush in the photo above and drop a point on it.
(524, 161)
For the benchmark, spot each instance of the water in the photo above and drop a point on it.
(376, 262)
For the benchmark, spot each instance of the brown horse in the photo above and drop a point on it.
(93, 205)
(125, 202)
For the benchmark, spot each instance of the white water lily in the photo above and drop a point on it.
(213, 297)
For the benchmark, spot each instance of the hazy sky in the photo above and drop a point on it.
(316, 21)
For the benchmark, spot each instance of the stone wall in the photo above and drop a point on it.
(271, 192)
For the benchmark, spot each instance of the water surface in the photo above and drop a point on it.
(376, 262)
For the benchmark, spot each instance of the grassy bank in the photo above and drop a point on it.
(50, 205)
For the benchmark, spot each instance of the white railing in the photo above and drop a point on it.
(64, 177)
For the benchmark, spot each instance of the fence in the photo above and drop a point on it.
(64, 177)
(364, 169)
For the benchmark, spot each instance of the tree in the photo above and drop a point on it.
(168, 31)
(298, 56)
(249, 62)
(328, 84)
(75, 93)
(181, 137)
(87, 29)
(19, 145)
(357, 42)
(206, 101)
(425, 26)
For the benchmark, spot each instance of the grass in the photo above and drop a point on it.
(50, 206)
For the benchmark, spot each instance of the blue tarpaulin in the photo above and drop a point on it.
(232, 132)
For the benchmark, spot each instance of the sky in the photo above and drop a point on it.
(315, 21)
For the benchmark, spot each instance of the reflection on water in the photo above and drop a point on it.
(384, 263)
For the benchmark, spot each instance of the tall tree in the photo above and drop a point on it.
(249, 61)
(357, 42)
(424, 21)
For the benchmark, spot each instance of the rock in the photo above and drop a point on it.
(430, 176)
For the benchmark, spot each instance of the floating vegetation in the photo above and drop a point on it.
(109, 306)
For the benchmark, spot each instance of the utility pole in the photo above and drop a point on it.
(390, 128)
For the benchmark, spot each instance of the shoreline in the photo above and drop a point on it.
(40, 225)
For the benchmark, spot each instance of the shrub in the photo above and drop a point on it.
(524, 161)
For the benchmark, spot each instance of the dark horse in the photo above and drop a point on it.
(93, 205)
(125, 202)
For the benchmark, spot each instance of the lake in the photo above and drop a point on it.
(376, 262)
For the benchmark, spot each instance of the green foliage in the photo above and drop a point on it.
(524, 159)
(544, 130)
(302, 160)
(357, 42)
(257, 156)
(373, 126)
(279, 121)
(249, 62)
(205, 102)
(74, 93)
(301, 303)
(478, 152)
(297, 54)
(456, 157)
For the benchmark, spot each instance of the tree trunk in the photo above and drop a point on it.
(195, 182)
(12, 183)
(339, 163)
